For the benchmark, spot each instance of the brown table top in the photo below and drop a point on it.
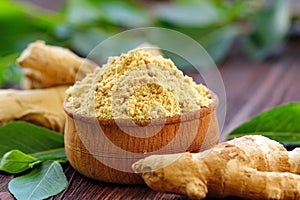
(251, 87)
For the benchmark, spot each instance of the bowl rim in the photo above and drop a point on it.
(188, 116)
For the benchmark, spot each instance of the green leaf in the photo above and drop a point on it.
(79, 12)
(52, 154)
(12, 74)
(192, 14)
(9, 72)
(63, 31)
(42, 182)
(125, 14)
(281, 124)
(23, 23)
(28, 138)
(215, 40)
(237, 10)
(218, 42)
(10, 9)
(270, 27)
(16, 161)
(85, 41)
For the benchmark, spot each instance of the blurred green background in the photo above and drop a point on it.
(256, 28)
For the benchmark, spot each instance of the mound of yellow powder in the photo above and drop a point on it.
(137, 85)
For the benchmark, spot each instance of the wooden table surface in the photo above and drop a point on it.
(251, 87)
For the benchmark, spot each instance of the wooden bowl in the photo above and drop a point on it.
(105, 149)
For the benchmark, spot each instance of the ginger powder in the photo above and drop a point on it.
(137, 85)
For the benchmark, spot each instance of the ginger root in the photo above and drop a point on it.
(41, 106)
(252, 167)
(46, 66)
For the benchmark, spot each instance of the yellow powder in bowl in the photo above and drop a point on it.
(151, 101)
(137, 85)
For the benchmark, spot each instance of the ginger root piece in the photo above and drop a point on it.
(41, 106)
(46, 66)
(252, 167)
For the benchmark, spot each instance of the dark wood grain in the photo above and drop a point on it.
(251, 87)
